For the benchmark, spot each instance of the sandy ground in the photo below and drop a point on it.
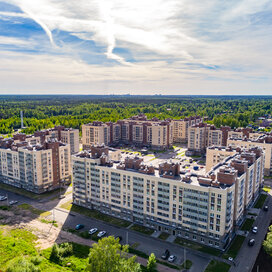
(48, 234)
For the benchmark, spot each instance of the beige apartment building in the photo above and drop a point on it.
(264, 142)
(203, 135)
(95, 133)
(136, 131)
(65, 135)
(200, 208)
(216, 154)
(181, 128)
(37, 168)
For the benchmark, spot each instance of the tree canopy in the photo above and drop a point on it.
(42, 112)
(109, 256)
(267, 243)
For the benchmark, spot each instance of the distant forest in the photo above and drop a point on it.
(45, 111)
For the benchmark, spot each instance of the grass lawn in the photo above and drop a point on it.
(235, 247)
(187, 264)
(142, 229)
(164, 235)
(247, 224)
(34, 210)
(196, 246)
(267, 189)
(19, 243)
(31, 195)
(95, 214)
(260, 202)
(216, 266)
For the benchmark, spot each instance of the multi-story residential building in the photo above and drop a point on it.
(203, 135)
(136, 131)
(264, 142)
(181, 128)
(198, 138)
(216, 154)
(95, 133)
(65, 135)
(37, 168)
(202, 208)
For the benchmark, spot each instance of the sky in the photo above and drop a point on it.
(179, 47)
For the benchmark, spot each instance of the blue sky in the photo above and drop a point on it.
(137, 47)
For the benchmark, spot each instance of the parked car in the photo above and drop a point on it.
(79, 226)
(101, 234)
(265, 208)
(166, 254)
(12, 202)
(172, 258)
(255, 230)
(230, 259)
(2, 198)
(251, 242)
(92, 231)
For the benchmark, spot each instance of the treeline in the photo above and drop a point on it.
(42, 112)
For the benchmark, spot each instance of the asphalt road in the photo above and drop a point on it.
(247, 255)
(145, 243)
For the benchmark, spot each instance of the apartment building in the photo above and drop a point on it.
(95, 133)
(203, 209)
(216, 154)
(181, 128)
(264, 141)
(136, 131)
(203, 135)
(65, 135)
(36, 168)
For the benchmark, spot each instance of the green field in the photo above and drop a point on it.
(234, 247)
(260, 202)
(216, 266)
(247, 224)
(196, 246)
(18, 245)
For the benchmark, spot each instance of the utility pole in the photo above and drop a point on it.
(185, 266)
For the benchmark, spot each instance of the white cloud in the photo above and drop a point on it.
(185, 37)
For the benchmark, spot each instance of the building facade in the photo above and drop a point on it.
(137, 131)
(36, 168)
(264, 142)
(204, 209)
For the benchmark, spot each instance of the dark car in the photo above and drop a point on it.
(265, 208)
(79, 226)
(251, 242)
(165, 255)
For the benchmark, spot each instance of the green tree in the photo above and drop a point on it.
(267, 243)
(109, 256)
(151, 264)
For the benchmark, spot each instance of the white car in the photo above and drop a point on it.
(255, 229)
(2, 198)
(230, 259)
(171, 258)
(12, 202)
(92, 231)
(101, 234)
